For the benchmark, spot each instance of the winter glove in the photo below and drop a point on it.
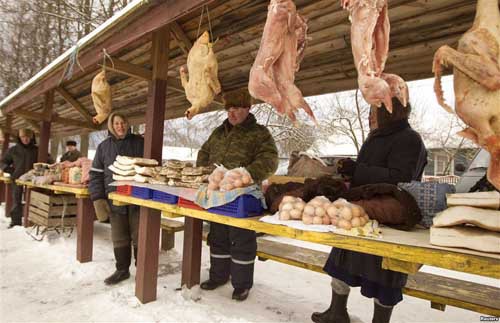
(346, 167)
(102, 210)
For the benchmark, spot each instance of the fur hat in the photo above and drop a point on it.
(71, 143)
(237, 98)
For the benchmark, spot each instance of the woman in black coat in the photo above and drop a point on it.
(392, 153)
(124, 219)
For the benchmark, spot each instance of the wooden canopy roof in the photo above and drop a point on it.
(418, 28)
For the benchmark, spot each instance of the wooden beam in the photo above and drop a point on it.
(71, 122)
(159, 16)
(43, 145)
(129, 69)
(183, 40)
(33, 124)
(149, 220)
(74, 103)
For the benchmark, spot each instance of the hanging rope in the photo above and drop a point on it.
(209, 23)
(72, 60)
(104, 56)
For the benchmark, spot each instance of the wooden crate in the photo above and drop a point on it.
(47, 210)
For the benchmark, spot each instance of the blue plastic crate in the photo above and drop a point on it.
(142, 192)
(243, 207)
(163, 197)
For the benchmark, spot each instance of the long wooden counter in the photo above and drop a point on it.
(85, 215)
(402, 251)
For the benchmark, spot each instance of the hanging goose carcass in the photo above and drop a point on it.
(202, 83)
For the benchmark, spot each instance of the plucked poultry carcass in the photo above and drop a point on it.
(281, 49)
(370, 44)
(101, 96)
(203, 84)
(476, 78)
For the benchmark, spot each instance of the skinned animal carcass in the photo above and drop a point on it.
(272, 77)
(370, 45)
(476, 78)
(203, 84)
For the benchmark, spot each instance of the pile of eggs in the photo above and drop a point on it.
(320, 210)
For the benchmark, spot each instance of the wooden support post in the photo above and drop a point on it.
(167, 239)
(5, 147)
(43, 147)
(8, 199)
(85, 216)
(84, 144)
(191, 254)
(54, 147)
(149, 222)
(26, 208)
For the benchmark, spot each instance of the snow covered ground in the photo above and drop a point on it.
(43, 282)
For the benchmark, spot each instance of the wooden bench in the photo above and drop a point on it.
(439, 290)
(168, 230)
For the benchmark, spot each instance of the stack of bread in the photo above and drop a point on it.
(471, 221)
(182, 174)
(137, 169)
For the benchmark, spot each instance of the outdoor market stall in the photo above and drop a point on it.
(148, 43)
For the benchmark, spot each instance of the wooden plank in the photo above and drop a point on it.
(57, 119)
(51, 222)
(463, 260)
(182, 39)
(129, 69)
(454, 292)
(401, 266)
(39, 204)
(85, 230)
(75, 104)
(56, 211)
(172, 225)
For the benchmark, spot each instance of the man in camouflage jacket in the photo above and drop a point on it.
(238, 142)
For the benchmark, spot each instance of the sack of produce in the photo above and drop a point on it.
(235, 178)
(216, 178)
(75, 175)
(291, 208)
(308, 166)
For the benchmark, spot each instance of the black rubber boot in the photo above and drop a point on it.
(123, 257)
(240, 294)
(135, 256)
(211, 285)
(336, 313)
(117, 276)
(381, 314)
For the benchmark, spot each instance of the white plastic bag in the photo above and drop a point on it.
(216, 177)
(235, 178)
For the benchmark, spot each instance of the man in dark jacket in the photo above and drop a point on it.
(392, 153)
(238, 142)
(17, 161)
(71, 154)
(124, 219)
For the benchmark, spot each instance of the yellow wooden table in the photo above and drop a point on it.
(402, 251)
(85, 215)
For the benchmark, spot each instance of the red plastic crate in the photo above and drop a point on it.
(124, 189)
(189, 204)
